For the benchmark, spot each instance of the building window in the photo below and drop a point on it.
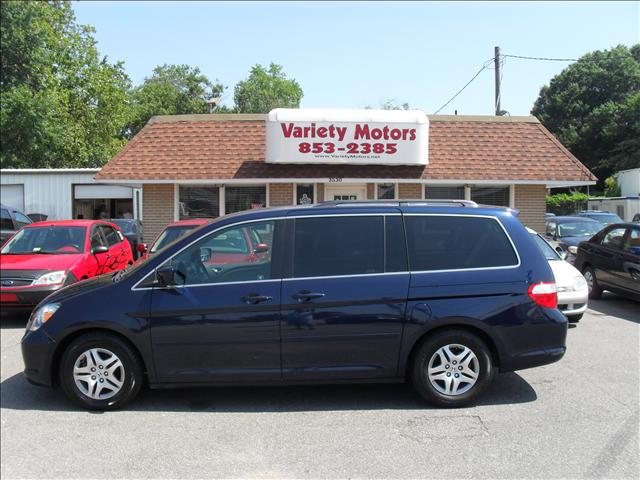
(237, 199)
(199, 202)
(304, 193)
(386, 191)
(444, 193)
(498, 196)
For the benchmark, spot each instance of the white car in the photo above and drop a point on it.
(573, 291)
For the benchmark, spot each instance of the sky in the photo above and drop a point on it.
(359, 54)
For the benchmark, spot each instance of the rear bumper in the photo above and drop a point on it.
(37, 353)
(539, 342)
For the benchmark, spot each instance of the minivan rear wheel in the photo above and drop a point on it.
(452, 368)
(100, 371)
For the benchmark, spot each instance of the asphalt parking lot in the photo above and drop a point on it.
(574, 419)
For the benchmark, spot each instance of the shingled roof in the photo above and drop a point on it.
(232, 147)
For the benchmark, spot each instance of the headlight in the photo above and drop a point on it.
(579, 283)
(42, 315)
(573, 250)
(52, 278)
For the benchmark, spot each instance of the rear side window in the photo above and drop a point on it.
(338, 246)
(5, 220)
(456, 243)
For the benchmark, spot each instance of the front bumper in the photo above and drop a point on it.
(37, 353)
(574, 302)
(24, 300)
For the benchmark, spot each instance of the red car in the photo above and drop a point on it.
(45, 256)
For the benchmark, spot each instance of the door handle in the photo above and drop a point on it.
(253, 298)
(305, 295)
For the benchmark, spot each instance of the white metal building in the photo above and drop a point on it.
(66, 193)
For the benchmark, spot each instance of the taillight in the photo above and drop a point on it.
(544, 294)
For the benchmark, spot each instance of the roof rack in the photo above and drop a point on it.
(396, 203)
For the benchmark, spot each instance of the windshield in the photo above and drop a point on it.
(579, 229)
(47, 239)
(606, 218)
(546, 249)
(170, 235)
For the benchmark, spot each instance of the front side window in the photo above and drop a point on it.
(237, 254)
(199, 202)
(457, 243)
(633, 241)
(331, 246)
(170, 235)
(97, 238)
(613, 238)
(110, 235)
(498, 196)
(53, 240)
(237, 199)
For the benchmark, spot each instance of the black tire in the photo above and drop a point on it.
(595, 291)
(131, 365)
(574, 318)
(428, 349)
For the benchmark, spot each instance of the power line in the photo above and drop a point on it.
(542, 58)
(466, 85)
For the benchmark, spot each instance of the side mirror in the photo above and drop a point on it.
(99, 249)
(261, 248)
(165, 275)
(142, 247)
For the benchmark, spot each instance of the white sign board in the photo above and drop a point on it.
(357, 137)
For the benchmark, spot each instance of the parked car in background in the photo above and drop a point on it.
(605, 218)
(43, 257)
(443, 296)
(548, 215)
(573, 291)
(133, 232)
(170, 234)
(37, 217)
(567, 232)
(11, 220)
(611, 260)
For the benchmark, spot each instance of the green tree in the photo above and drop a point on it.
(172, 90)
(390, 104)
(593, 107)
(61, 105)
(265, 90)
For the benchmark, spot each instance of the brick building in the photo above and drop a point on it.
(210, 165)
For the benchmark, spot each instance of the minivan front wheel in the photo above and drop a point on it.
(99, 371)
(452, 368)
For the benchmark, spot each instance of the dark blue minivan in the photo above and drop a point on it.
(441, 295)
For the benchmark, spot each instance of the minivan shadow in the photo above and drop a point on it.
(508, 388)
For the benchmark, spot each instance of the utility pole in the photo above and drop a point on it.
(496, 61)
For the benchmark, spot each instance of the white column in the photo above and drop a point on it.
(221, 200)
